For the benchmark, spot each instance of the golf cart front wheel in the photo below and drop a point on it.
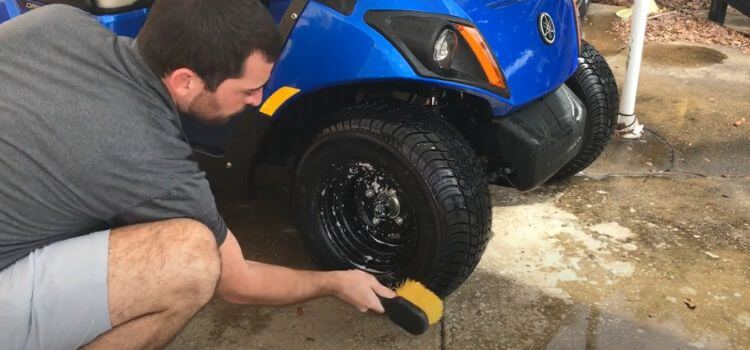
(394, 190)
(595, 85)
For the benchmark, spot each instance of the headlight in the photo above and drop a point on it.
(441, 47)
(445, 48)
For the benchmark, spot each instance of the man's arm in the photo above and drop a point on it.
(249, 282)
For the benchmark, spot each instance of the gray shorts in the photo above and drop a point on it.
(56, 297)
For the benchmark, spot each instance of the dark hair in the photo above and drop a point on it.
(212, 38)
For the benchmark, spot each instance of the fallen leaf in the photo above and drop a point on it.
(739, 122)
(683, 20)
(689, 303)
(712, 255)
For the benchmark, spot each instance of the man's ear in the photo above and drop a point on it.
(183, 84)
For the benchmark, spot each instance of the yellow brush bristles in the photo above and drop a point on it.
(423, 298)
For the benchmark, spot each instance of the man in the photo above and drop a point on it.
(109, 234)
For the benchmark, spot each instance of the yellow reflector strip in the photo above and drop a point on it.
(483, 54)
(277, 99)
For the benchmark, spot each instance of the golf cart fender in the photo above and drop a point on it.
(327, 48)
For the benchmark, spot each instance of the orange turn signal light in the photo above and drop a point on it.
(482, 52)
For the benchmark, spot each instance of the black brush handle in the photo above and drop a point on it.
(405, 314)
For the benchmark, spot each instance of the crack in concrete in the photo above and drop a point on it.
(673, 155)
(671, 174)
(442, 334)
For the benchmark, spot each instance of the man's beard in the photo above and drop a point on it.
(204, 107)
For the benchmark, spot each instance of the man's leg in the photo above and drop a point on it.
(160, 274)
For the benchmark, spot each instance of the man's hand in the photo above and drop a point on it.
(249, 282)
(360, 289)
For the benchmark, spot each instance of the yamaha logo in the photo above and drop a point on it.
(547, 28)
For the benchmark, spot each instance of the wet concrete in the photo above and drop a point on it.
(607, 263)
(596, 29)
(689, 97)
(647, 249)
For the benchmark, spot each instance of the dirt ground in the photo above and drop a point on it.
(687, 20)
(647, 249)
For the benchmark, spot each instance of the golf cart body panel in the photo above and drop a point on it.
(327, 48)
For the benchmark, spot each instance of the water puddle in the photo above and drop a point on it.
(681, 55)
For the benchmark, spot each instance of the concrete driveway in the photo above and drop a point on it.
(648, 249)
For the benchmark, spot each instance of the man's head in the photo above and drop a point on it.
(213, 56)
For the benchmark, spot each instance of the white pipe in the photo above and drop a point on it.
(628, 125)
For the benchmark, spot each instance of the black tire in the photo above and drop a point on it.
(375, 152)
(595, 85)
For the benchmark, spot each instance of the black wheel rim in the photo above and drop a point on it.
(368, 217)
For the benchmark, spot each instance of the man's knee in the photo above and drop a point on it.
(166, 265)
(191, 248)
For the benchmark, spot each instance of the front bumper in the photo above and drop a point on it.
(536, 141)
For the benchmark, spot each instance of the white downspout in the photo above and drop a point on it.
(628, 126)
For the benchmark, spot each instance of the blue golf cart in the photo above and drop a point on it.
(396, 115)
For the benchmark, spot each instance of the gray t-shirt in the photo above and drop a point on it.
(89, 137)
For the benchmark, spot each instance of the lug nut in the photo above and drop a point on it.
(375, 221)
(369, 193)
(399, 221)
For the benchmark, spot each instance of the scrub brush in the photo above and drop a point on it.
(414, 308)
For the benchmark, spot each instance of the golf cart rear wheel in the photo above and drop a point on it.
(394, 190)
(595, 85)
